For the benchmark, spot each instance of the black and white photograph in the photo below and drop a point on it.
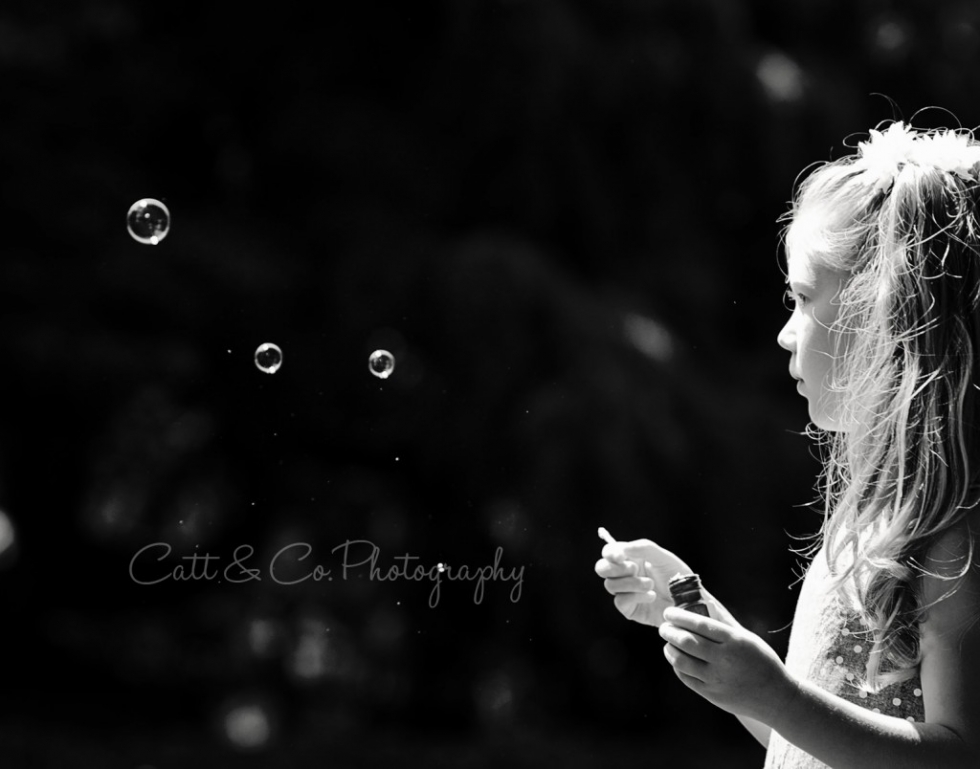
(489, 384)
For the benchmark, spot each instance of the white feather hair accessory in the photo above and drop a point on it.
(887, 152)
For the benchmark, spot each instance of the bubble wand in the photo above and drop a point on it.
(605, 535)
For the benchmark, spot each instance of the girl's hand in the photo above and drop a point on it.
(728, 666)
(637, 573)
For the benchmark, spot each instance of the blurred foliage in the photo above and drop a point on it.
(560, 218)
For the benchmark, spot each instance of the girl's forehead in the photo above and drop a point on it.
(801, 267)
(810, 231)
(811, 246)
(812, 254)
(806, 268)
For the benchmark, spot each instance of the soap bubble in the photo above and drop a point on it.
(148, 221)
(381, 364)
(268, 358)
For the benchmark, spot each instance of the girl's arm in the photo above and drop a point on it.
(717, 610)
(950, 675)
(845, 736)
(637, 573)
(737, 671)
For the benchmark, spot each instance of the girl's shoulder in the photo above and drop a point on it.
(950, 579)
(949, 631)
(952, 551)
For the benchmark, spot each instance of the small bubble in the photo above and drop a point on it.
(268, 358)
(381, 364)
(441, 567)
(148, 221)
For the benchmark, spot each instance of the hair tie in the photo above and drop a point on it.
(887, 152)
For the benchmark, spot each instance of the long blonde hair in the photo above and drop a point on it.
(900, 218)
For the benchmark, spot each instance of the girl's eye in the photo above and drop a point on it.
(792, 300)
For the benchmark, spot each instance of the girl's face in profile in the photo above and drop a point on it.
(813, 292)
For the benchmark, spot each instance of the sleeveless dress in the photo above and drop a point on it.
(829, 647)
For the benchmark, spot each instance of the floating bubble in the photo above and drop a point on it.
(381, 364)
(148, 221)
(268, 358)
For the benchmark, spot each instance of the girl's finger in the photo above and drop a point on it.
(689, 681)
(641, 548)
(689, 643)
(685, 663)
(614, 551)
(627, 603)
(629, 585)
(611, 569)
(710, 629)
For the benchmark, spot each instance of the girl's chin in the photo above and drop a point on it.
(824, 423)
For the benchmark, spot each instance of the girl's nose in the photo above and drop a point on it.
(786, 338)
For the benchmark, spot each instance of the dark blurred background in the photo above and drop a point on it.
(558, 215)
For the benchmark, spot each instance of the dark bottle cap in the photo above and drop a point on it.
(684, 583)
(685, 589)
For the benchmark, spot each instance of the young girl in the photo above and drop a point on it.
(883, 668)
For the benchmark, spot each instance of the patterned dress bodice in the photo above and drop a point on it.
(829, 647)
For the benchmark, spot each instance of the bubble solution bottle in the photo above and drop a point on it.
(685, 589)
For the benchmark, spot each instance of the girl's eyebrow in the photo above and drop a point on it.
(801, 286)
